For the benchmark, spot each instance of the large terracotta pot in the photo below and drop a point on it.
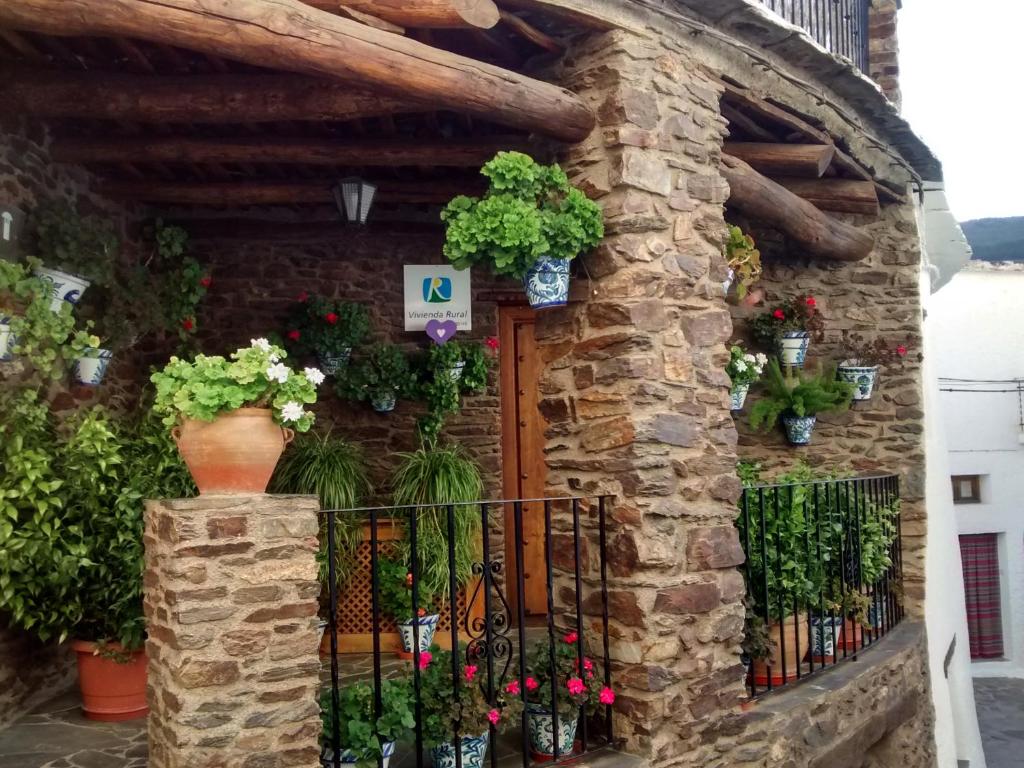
(795, 651)
(111, 691)
(234, 453)
(853, 636)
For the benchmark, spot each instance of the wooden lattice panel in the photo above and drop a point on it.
(355, 605)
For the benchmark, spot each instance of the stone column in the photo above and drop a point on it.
(231, 601)
(884, 50)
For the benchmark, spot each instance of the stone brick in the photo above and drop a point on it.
(642, 170)
(195, 673)
(214, 550)
(263, 615)
(685, 599)
(257, 594)
(607, 434)
(713, 547)
(226, 527)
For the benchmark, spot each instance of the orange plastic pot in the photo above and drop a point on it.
(235, 453)
(111, 691)
(797, 642)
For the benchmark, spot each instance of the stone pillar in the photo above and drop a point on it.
(884, 49)
(231, 594)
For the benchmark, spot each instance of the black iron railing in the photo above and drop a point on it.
(488, 620)
(823, 574)
(841, 26)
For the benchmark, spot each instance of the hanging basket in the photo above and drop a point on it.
(334, 363)
(862, 377)
(799, 429)
(7, 340)
(90, 369)
(738, 396)
(63, 286)
(384, 402)
(793, 348)
(547, 283)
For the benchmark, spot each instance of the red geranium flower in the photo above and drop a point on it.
(531, 684)
(778, 314)
(408, 579)
(294, 335)
(205, 281)
(571, 638)
(492, 342)
(421, 612)
(302, 296)
(901, 350)
(331, 318)
(188, 324)
(811, 302)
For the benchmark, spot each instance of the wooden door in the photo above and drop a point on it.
(523, 467)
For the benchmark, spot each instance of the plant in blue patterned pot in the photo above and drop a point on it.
(381, 376)
(788, 328)
(352, 729)
(795, 399)
(863, 358)
(744, 369)
(417, 622)
(529, 225)
(89, 368)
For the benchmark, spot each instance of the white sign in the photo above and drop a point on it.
(437, 293)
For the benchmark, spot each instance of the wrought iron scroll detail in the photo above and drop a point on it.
(489, 634)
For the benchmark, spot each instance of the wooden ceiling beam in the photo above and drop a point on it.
(287, 35)
(839, 195)
(423, 14)
(531, 33)
(805, 160)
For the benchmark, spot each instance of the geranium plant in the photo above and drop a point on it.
(745, 368)
(325, 327)
(359, 731)
(860, 351)
(794, 314)
(529, 210)
(383, 372)
(744, 260)
(571, 687)
(253, 377)
(396, 591)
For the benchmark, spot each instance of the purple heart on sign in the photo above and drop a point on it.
(441, 332)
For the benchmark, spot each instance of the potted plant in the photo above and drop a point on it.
(796, 399)
(396, 601)
(77, 251)
(744, 262)
(472, 716)
(381, 377)
(90, 367)
(788, 329)
(743, 369)
(362, 738)
(862, 359)
(447, 372)
(564, 685)
(328, 329)
(528, 225)
(227, 416)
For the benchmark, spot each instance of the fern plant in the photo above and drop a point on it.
(795, 394)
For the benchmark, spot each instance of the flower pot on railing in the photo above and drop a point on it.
(792, 348)
(90, 368)
(473, 749)
(331, 364)
(235, 453)
(799, 429)
(348, 757)
(426, 625)
(63, 286)
(826, 634)
(738, 396)
(791, 635)
(113, 689)
(542, 732)
(383, 402)
(547, 283)
(7, 340)
(861, 376)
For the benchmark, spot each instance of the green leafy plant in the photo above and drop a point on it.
(571, 688)
(437, 476)
(529, 210)
(254, 377)
(858, 350)
(744, 367)
(798, 394)
(396, 591)
(471, 713)
(325, 327)
(744, 260)
(383, 371)
(800, 314)
(86, 246)
(359, 730)
(441, 389)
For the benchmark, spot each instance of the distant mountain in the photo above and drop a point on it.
(996, 239)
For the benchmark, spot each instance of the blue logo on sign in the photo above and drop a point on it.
(437, 290)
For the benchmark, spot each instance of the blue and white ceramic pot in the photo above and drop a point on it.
(7, 339)
(826, 633)
(793, 348)
(383, 402)
(90, 368)
(427, 626)
(798, 429)
(63, 286)
(455, 372)
(738, 396)
(861, 376)
(473, 749)
(331, 365)
(542, 731)
(348, 757)
(547, 283)
(877, 615)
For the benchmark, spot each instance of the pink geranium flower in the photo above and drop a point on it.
(425, 658)
(494, 716)
(513, 688)
(607, 696)
(571, 638)
(531, 684)
(470, 672)
(575, 686)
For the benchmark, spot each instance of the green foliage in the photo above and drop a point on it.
(86, 246)
(744, 260)
(383, 371)
(440, 390)
(441, 475)
(743, 367)
(798, 394)
(396, 590)
(471, 713)
(359, 730)
(566, 668)
(325, 327)
(528, 211)
(254, 377)
(791, 315)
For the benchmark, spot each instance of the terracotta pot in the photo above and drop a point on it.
(853, 636)
(234, 453)
(111, 691)
(795, 651)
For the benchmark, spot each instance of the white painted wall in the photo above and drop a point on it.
(979, 321)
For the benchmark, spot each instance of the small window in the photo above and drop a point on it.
(966, 489)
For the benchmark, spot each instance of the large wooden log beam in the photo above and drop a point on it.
(840, 195)
(428, 14)
(290, 36)
(762, 199)
(198, 99)
(384, 153)
(807, 160)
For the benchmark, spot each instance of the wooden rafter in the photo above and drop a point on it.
(428, 14)
(839, 195)
(807, 160)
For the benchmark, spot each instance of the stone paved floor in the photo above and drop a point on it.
(1000, 703)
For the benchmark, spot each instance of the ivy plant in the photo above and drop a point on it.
(384, 370)
(86, 246)
(441, 389)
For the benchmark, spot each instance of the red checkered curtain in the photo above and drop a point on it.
(980, 555)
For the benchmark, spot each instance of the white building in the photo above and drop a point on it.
(977, 320)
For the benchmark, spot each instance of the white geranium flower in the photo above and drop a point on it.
(749, 359)
(292, 411)
(315, 376)
(261, 344)
(740, 366)
(762, 359)
(278, 372)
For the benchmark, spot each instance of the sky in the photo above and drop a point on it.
(961, 72)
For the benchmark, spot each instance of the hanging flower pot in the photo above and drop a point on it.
(861, 376)
(331, 364)
(63, 286)
(547, 283)
(473, 749)
(383, 402)
(455, 372)
(111, 690)
(427, 625)
(542, 732)
(7, 340)
(799, 429)
(348, 757)
(90, 368)
(792, 347)
(738, 396)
